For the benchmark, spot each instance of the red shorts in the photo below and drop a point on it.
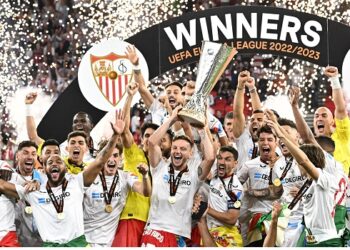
(129, 233)
(9, 240)
(158, 238)
(195, 240)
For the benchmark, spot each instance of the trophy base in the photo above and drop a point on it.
(195, 119)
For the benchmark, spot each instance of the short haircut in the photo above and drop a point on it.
(25, 144)
(258, 111)
(173, 83)
(171, 134)
(286, 122)
(77, 133)
(326, 143)
(265, 129)
(50, 142)
(315, 154)
(229, 115)
(84, 113)
(183, 137)
(231, 150)
(148, 125)
(103, 143)
(276, 114)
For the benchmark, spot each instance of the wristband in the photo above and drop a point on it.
(252, 90)
(29, 110)
(179, 132)
(136, 67)
(335, 83)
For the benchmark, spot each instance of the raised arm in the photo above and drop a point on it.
(90, 173)
(155, 153)
(144, 92)
(127, 137)
(302, 127)
(297, 153)
(238, 104)
(144, 188)
(256, 103)
(30, 123)
(208, 152)
(270, 240)
(337, 92)
(8, 189)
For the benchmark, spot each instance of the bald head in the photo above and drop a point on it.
(323, 122)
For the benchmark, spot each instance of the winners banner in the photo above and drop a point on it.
(250, 29)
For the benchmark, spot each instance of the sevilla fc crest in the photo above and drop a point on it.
(112, 73)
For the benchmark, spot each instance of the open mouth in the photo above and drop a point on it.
(283, 146)
(111, 164)
(221, 169)
(177, 159)
(76, 152)
(266, 150)
(320, 127)
(55, 172)
(172, 101)
(255, 129)
(29, 164)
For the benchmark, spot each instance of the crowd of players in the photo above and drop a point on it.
(268, 181)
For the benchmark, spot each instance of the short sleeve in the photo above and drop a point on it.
(243, 173)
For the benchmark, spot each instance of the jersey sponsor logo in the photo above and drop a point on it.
(185, 182)
(44, 200)
(261, 176)
(97, 195)
(215, 191)
(166, 178)
(293, 179)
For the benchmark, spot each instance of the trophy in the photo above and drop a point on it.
(213, 61)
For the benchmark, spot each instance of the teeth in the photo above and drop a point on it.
(54, 170)
(112, 165)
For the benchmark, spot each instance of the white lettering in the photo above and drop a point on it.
(251, 27)
(181, 32)
(309, 32)
(291, 30)
(217, 25)
(204, 28)
(266, 25)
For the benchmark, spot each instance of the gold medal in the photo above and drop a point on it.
(108, 208)
(310, 239)
(237, 204)
(60, 216)
(172, 199)
(277, 182)
(28, 210)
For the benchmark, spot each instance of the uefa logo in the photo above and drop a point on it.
(104, 73)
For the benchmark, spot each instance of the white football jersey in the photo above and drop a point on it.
(100, 226)
(52, 229)
(173, 218)
(218, 198)
(258, 174)
(319, 205)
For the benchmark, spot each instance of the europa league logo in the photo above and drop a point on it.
(212, 63)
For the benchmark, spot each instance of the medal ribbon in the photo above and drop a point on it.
(174, 182)
(288, 166)
(108, 195)
(300, 193)
(255, 151)
(228, 191)
(58, 205)
(270, 176)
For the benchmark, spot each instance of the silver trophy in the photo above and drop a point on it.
(213, 61)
